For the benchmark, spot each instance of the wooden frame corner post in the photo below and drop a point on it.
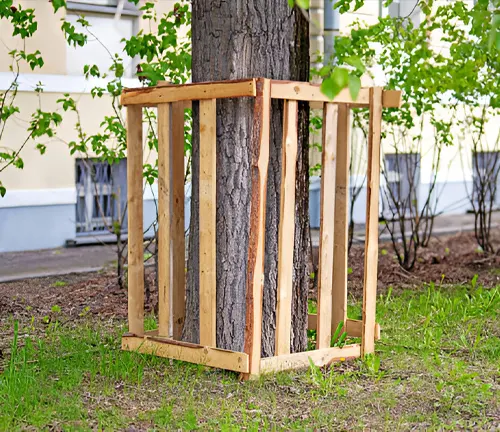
(256, 238)
(135, 221)
(372, 213)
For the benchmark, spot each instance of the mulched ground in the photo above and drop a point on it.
(448, 260)
(453, 259)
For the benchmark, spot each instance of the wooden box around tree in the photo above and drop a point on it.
(171, 100)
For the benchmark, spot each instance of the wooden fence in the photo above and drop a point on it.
(332, 279)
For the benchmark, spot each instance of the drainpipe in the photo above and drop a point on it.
(332, 24)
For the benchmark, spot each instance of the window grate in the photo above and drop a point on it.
(101, 191)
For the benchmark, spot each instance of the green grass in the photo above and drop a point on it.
(436, 368)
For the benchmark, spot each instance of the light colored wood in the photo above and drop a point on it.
(177, 234)
(256, 236)
(208, 206)
(311, 92)
(372, 214)
(150, 96)
(340, 249)
(135, 221)
(164, 217)
(327, 226)
(320, 357)
(355, 328)
(199, 354)
(286, 228)
(392, 99)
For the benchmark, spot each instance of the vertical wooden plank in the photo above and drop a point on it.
(286, 228)
(177, 234)
(340, 248)
(208, 205)
(371, 237)
(256, 238)
(164, 217)
(135, 221)
(327, 224)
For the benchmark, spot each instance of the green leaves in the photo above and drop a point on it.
(57, 4)
(72, 36)
(339, 79)
(354, 86)
(304, 4)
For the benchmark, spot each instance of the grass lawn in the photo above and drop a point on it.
(437, 367)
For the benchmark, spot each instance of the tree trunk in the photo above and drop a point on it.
(234, 40)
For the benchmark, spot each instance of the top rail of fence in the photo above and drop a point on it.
(290, 90)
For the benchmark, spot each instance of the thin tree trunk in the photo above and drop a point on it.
(234, 40)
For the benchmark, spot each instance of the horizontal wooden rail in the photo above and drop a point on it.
(291, 90)
(151, 96)
(312, 93)
(320, 357)
(208, 356)
(353, 326)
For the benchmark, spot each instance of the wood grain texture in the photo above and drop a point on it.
(150, 96)
(177, 233)
(327, 226)
(286, 228)
(193, 353)
(320, 357)
(372, 213)
(256, 242)
(340, 249)
(164, 218)
(353, 327)
(135, 221)
(208, 232)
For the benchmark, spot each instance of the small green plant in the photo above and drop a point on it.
(59, 284)
(371, 366)
(339, 337)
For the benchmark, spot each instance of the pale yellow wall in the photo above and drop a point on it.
(56, 168)
(48, 39)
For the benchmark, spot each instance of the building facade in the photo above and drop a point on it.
(59, 198)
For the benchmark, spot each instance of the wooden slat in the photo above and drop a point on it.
(372, 213)
(208, 206)
(327, 224)
(354, 327)
(199, 354)
(256, 238)
(135, 221)
(312, 321)
(164, 217)
(340, 250)
(286, 228)
(147, 96)
(392, 99)
(177, 234)
(320, 357)
(312, 92)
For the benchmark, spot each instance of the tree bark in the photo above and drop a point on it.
(233, 40)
